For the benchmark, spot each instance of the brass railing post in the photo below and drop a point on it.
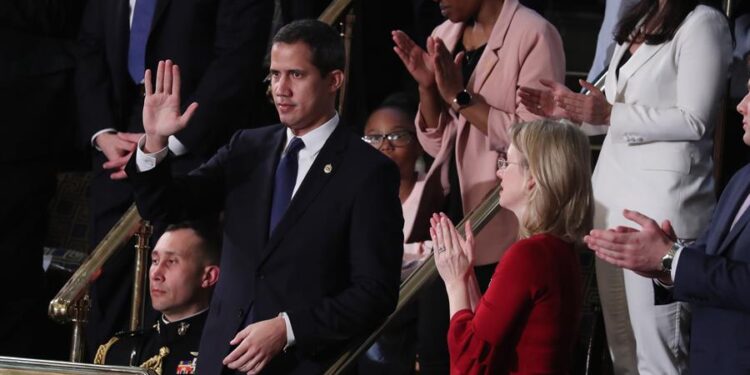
(140, 280)
(79, 317)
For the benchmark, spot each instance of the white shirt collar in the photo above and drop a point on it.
(316, 138)
(166, 321)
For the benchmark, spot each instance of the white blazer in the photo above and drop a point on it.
(657, 155)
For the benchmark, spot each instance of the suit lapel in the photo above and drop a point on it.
(728, 234)
(260, 189)
(489, 57)
(322, 170)
(643, 54)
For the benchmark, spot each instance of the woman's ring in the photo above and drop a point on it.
(440, 249)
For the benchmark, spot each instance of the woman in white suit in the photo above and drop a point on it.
(659, 107)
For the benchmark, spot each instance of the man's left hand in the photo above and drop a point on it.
(257, 344)
(639, 251)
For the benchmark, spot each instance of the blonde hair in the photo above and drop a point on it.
(559, 159)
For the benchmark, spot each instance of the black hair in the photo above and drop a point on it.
(670, 19)
(325, 44)
(402, 101)
(209, 233)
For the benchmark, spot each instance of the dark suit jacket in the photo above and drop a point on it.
(332, 263)
(218, 44)
(714, 276)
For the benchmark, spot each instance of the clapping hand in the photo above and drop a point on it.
(454, 256)
(161, 107)
(638, 250)
(448, 75)
(592, 108)
(416, 60)
(542, 102)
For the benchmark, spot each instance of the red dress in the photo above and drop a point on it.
(527, 321)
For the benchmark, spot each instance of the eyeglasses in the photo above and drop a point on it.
(503, 163)
(397, 139)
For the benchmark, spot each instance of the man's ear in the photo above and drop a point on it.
(210, 276)
(336, 80)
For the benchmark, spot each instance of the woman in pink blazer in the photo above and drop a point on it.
(467, 82)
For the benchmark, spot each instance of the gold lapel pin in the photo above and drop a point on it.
(328, 168)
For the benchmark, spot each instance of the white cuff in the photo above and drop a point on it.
(93, 137)
(676, 259)
(146, 162)
(290, 341)
(176, 146)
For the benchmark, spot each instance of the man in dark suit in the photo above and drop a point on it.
(312, 219)
(712, 274)
(36, 71)
(220, 45)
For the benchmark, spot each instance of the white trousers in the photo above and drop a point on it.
(643, 338)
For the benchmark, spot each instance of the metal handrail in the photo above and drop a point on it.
(426, 272)
(71, 302)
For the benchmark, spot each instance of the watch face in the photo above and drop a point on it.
(667, 264)
(463, 98)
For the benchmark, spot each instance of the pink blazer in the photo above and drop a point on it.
(522, 49)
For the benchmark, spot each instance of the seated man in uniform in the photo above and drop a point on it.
(184, 270)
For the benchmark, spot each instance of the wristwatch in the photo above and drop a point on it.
(462, 99)
(666, 260)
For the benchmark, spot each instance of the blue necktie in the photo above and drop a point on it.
(143, 14)
(286, 177)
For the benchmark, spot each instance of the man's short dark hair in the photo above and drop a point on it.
(325, 44)
(209, 233)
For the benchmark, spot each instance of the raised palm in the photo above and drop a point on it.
(161, 107)
(416, 60)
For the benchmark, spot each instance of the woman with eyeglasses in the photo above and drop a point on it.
(658, 108)
(467, 79)
(527, 321)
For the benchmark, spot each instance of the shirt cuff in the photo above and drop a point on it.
(146, 162)
(290, 341)
(93, 137)
(176, 146)
(675, 260)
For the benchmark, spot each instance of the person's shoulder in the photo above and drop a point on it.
(447, 27)
(531, 25)
(256, 134)
(537, 244)
(705, 17)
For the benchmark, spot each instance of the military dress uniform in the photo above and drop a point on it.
(167, 347)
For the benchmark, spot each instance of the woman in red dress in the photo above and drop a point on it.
(527, 321)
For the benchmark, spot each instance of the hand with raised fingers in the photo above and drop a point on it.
(541, 102)
(256, 345)
(637, 250)
(448, 75)
(454, 256)
(415, 59)
(592, 108)
(161, 107)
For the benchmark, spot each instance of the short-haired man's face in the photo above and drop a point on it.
(178, 275)
(744, 109)
(303, 98)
